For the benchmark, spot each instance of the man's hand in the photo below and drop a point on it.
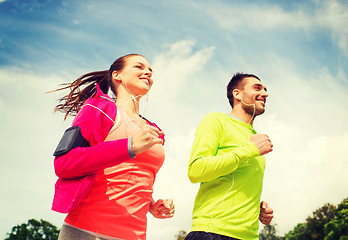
(262, 142)
(266, 213)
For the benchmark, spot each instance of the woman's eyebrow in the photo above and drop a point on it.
(142, 64)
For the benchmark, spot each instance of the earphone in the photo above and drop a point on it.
(132, 96)
(247, 104)
(248, 135)
(254, 111)
(221, 202)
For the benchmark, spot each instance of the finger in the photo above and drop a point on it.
(158, 204)
(170, 209)
(154, 133)
(265, 220)
(156, 130)
(268, 210)
(167, 208)
(263, 205)
(152, 137)
(263, 136)
(167, 215)
(157, 141)
(166, 211)
(150, 129)
(168, 202)
(266, 216)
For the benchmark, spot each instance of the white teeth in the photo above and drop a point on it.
(147, 81)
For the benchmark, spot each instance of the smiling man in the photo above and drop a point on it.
(228, 160)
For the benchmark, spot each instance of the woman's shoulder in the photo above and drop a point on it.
(96, 118)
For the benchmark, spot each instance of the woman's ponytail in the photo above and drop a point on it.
(84, 87)
(80, 90)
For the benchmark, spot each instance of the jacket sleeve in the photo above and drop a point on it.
(206, 163)
(95, 126)
(82, 161)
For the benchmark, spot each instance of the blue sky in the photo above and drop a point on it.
(299, 50)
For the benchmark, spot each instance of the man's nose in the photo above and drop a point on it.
(264, 93)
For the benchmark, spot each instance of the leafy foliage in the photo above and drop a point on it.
(269, 232)
(34, 230)
(328, 223)
(299, 233)
(337, 228)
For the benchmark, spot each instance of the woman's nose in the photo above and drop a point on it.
(148, 73)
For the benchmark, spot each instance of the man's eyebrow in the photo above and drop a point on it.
(260, 85)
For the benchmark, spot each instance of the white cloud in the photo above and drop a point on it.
(258, 18)
(172, 182)
(29, 133)
(305, 118)
(303, 172)
(331, 15)
(173, 70)
(175, 65)
(334, 16)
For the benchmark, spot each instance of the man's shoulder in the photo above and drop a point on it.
(214, 120)
(215, 116)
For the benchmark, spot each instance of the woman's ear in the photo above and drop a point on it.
(116, 76)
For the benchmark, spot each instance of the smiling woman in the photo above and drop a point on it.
(106, 188)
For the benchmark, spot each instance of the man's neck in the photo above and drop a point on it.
(242, 115)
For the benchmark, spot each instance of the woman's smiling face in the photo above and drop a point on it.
(136, 75)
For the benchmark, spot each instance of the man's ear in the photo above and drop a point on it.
(235, 93)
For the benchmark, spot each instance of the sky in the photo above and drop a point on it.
(299, 49)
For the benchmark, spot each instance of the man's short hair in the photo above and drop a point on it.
(235, 82)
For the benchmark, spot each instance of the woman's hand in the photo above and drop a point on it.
(163, 208)
(146, 138)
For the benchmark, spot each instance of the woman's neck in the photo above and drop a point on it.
(130, 105)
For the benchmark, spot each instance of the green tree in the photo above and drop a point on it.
(315, 224)
(269, 232)
(337, 228)
(328, 223)
(313, 229)
(298, 233)
(34, 230)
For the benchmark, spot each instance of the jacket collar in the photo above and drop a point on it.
(100, 94)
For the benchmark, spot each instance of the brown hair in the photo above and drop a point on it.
(235, 83)
(85, 87)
